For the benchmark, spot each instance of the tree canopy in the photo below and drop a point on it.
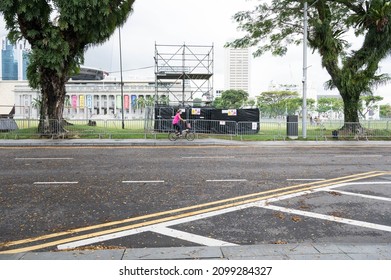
(280, 103)
(231, 99)
(327, 104)
(272, 27)
(59, 32)
(369, 103)
(385, 111)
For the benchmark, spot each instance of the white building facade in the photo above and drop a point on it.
(237, 69)
(90, 99)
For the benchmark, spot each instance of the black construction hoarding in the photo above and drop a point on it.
(242, 121)
(200, 119)
(163, 118)
(210, 120)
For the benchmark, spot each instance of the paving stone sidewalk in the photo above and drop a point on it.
(248, 252)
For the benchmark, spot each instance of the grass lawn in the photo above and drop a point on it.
(134, 129)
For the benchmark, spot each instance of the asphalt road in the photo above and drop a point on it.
(133, 197)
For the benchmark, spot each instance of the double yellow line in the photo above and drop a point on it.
(170, 215)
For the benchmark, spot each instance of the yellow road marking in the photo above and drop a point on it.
(232, 203)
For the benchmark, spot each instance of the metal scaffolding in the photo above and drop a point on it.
(183, 72)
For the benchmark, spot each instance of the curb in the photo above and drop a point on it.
(197, 142)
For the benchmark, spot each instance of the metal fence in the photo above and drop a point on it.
(245, 131)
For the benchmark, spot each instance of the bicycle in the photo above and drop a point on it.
(186, 133)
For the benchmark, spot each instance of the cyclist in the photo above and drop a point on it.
(177, 122)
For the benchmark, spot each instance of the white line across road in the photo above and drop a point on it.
(363, 195)
(208, 157)
(227, 180)
(267, 205)
(328, 218)
(332, 188)
(319, 179)
(143, 182)
(55, 183)
(201, 240)
(38, 158)
(355, 183)
(162, 181)
(358, 156)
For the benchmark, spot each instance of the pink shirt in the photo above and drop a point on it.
(176, 118)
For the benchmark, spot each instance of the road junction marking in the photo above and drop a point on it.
(73, 235)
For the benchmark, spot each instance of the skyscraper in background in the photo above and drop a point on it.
(25, 63)
(237, 69)
(14, 60)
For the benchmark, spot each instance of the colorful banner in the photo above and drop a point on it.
(81, 101)
(74, 101)
(126, 102)
(134, 101)
(118, 101)
(89, 101)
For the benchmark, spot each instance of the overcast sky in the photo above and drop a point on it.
(201, 22)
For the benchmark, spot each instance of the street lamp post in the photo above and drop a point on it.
(122, 84)
(305, 41)
(304, 111)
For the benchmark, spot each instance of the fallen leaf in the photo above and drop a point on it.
(334, 193)
(296, 219)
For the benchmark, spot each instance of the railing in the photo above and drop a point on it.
(264, 130)
(339, 130)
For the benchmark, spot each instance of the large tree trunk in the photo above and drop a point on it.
(53, 96)
(351, 107)
(351, 110)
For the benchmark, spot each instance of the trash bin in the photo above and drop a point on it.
(335, 134)
(292, 126)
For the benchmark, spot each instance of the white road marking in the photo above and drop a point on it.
(328, 188)
(357, 156)
(43, 158)
(136, 182)
(54, 183)
(208, 157)
(354, 183)
(202, 240)
(102, 238)
(363, 195)
(328, 218)
(228, 180)
(320, 179)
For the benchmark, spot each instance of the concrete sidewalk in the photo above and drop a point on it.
(247, 252)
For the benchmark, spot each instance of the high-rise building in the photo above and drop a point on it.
(14, 60)
(25, 63)
(237, 70)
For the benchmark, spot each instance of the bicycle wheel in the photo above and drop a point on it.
(172, 136)
(190, 136)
